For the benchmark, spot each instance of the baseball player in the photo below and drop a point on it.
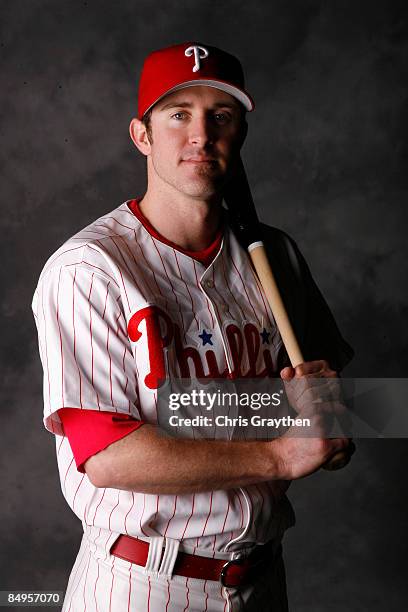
(155, 291)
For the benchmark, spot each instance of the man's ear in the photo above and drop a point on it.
(138, 133)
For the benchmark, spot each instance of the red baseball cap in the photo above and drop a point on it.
(186, 65)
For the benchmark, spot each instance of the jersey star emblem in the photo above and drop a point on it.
(265, 336)
(206, 338)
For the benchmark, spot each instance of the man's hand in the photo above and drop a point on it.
(319, 401)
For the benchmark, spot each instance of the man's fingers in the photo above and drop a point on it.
(341, 457)
(343, 444)
(287, 373)
(316, 368)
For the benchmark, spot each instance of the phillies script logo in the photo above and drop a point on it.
(244, 342)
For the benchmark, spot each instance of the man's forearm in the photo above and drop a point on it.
(148, 462)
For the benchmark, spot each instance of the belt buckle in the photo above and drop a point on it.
(223, 572)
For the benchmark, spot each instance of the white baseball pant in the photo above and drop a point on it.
(101, 582)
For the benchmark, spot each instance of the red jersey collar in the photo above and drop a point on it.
(205, 256)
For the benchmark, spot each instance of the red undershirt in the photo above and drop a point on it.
(90, 431)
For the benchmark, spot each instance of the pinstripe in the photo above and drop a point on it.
(148, 266)
(188, 290)
(128, 268)
(260, 292)
(140, 270)
(99, 271)
(80, 576)
(115, 273)
(189, 518)
(226, 515)
(59, 254)
(242, 510)
(93, 265)
(187, 596)
(77, 489)
(222, 299)
(116, 221)
(172, 516)
(130, 585)
(168, 595)
(155, 407)
(227, 284)
(60, 337)
(206, 596)
(106, 545)
(148, 597)
(85, 581)
(127, 514)
(206, 299)
(209, 513)
(63, 438)
(157, 508)
(214, 304)
(66, 474)
(120, 271)
(246, 292)
(45, 344)
(74, 574)
(96, 582)
(106, 300)
(85, 231)
(97, 507)
(141, 516)
(111, 589)
(110, 368)
(74, 331)
(171, 286)
(110, 515)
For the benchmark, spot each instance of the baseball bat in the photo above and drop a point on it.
(238, 198)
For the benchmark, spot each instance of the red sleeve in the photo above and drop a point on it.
(90, 431)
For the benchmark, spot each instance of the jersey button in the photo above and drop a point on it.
(209, 283)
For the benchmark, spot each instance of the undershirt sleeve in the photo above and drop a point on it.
(90, 431)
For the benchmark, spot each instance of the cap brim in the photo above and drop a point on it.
(237, 93)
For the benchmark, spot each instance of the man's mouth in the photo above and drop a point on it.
(200, 160)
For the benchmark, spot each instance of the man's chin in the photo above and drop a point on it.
(203, 189)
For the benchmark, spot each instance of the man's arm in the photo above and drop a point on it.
(146, 461)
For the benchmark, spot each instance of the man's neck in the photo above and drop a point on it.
(188, 222)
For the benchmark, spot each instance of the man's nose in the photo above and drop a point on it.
(201, 131)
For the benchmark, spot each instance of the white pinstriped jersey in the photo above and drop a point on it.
(116, 308)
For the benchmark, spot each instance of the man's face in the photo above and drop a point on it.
(197, 134)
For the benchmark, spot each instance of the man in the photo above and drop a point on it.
(155, 291)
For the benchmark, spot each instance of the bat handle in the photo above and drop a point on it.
(263, 269)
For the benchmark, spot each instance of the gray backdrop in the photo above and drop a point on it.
(326, 156)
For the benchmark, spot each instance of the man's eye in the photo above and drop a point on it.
(221, 117)
(178, 116)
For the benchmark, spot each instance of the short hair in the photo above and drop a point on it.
(147, 122)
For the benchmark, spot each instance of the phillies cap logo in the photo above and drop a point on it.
(199, 54)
